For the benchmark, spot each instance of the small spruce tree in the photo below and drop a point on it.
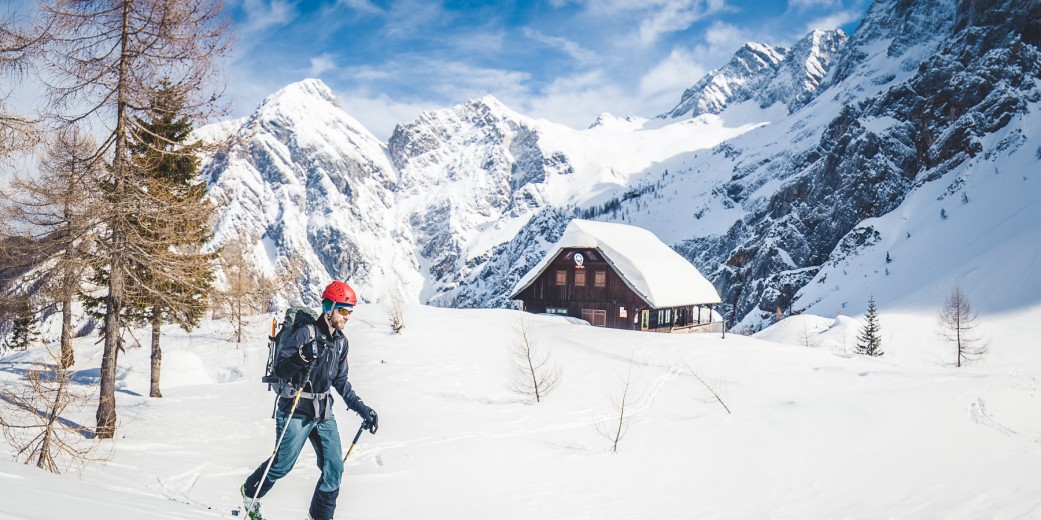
(869, 342)
(25, 329)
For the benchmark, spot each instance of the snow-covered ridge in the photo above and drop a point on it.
(421, 214)
(765, 74)
(770, 191)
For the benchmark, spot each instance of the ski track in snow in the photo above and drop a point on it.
(178, 487)
(374, 451)
(979, 414)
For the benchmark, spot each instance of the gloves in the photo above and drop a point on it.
(309, 351)
(370, 421)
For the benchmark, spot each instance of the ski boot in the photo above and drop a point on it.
(246, 511)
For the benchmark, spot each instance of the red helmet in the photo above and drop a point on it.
(340, 293)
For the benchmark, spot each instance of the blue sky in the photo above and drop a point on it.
(562, 60)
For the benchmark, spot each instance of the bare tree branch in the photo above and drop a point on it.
(615, 426)
(957, 322)
(34, 420)
(534, 374)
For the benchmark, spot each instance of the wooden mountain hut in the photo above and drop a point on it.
(622, 277)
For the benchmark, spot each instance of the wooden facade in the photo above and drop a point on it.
(588, 287)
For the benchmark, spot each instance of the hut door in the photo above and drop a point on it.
(645, 316)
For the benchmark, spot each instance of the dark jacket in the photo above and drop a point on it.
(329, 371)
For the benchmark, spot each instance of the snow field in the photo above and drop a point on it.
(815, 432)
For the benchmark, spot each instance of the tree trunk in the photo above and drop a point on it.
(157, 353)
(106, 416)
(68, 358)
(45, 460)
(238, 321)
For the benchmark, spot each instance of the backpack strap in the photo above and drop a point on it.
(288, 392)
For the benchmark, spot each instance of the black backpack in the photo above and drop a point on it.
(296, 317)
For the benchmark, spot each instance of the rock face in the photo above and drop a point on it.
(764, 74)
(946, 79)
(300, 180)
(463, 170)
(460, 202)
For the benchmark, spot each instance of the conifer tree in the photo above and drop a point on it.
(869, 342)
(25, 329)
(103, 60)
(172, 282)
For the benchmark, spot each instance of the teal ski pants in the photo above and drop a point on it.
(325, 438)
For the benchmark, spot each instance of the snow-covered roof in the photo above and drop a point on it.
(652, 269)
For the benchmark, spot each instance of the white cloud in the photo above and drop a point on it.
(806, 4)
(322, 63)
(722, 35)
(361, 6)
(379, 113)
(407, 16)
(580, 54)
(479, 42)
(832, 21)
(672, 16)
(457, 82)
(672, 75)
(262, 15)
(576, 101)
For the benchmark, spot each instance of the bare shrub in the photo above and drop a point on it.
(614, 426)
(534, 374)
(713, 389)
(34, 420)
(396, 311)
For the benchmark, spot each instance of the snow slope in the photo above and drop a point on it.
(815, 432)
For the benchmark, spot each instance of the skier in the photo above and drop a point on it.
(317, 350)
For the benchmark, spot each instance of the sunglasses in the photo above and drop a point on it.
(344, 311)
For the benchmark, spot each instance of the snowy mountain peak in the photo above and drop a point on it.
(764, 73)
(311, 87)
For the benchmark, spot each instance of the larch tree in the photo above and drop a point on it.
(958, 325)
(54, 212)
(245, 290)
(104, 61)
(17, 132)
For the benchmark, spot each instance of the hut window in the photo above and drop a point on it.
(595, 317)
(556, 310)
(600, 279)
(561, 277)
(580, 278)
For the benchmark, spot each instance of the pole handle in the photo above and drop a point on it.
(355, 441)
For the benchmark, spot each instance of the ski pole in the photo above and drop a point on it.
(270, 461)
(355, 441)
